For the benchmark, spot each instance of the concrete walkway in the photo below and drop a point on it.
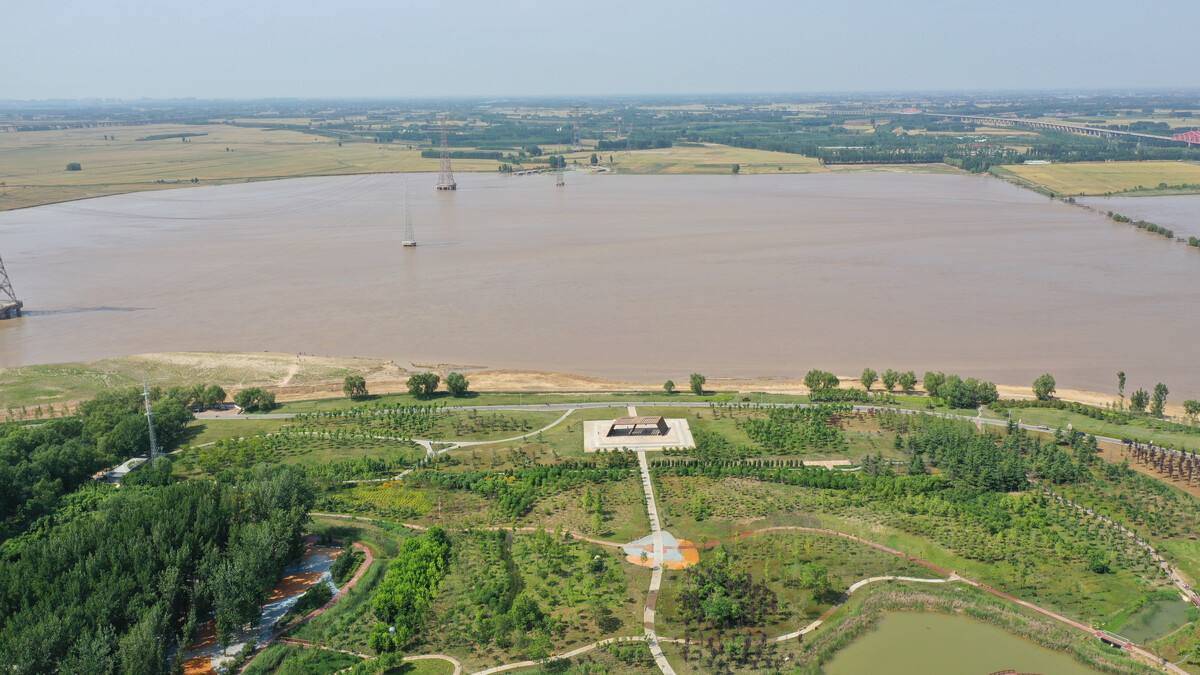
(656, 573)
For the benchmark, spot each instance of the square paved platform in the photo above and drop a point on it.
(679, 435)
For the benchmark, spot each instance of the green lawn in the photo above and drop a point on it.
(1138, 430)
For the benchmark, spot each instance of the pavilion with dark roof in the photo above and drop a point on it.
(648, 425)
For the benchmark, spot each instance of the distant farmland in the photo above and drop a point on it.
(33, 164)
(1106, 178)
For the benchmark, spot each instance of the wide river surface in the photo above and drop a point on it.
(625, 276)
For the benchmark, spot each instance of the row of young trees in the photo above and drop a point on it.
(906, 380)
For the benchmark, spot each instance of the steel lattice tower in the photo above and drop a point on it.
(9, 304)
(150, 421)
(409, 236)
(446, 178)
(575, 143)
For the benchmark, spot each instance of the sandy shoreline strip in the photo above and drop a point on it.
(294, 377)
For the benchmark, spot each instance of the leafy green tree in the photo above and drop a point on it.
(457, 384)
(1121, 386)
(1043, 387)
(820, 380)
(1138, 400)
(1191, 408)
(423, 385)
(594, 159)
(669, 386)
(1158, 401)
(890, 378)
(254, 399)
(868, 378)
(697, 383)
(814, 577)
(355, 386)
(735, 169)
(932, 382)
(214, 396)
(907, 380)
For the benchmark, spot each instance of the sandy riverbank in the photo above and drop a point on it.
(306, 376)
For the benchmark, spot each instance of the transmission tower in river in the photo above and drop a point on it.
(10, 306)
(446, 177)
(410, 235)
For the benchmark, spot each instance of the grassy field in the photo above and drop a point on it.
(701, 158)
(734, 506)
(73, 382)
(33, 164)
(1139, 430)
(1105, 178)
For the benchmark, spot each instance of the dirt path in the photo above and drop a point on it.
(558, 657)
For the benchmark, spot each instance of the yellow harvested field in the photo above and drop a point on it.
(706, 158)
(33, 164)
(1100, 178)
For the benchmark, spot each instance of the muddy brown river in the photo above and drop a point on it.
(627, 276)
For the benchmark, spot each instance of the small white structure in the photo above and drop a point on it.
(118, 473)
(637, 433)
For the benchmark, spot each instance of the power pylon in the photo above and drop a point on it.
(559, 180)
(410, 236)
(575, 112)
(10, 306)
(446, 179)
(150, 420)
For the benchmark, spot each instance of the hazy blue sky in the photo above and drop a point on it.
(248, 49)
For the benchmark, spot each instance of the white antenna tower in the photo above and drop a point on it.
(150, 420)
(410, 236)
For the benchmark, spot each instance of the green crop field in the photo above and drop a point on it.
(33, 164)
(1105, 178)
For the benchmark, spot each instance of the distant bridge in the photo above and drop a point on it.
(1059, 126)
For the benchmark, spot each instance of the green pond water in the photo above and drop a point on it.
(1155, 619)
(940, 644)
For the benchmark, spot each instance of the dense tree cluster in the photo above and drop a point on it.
(255, 399)
(719, 594)
(959, 393)
(423, 385)
(40, 463)
(125, 575)
(404, 596)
